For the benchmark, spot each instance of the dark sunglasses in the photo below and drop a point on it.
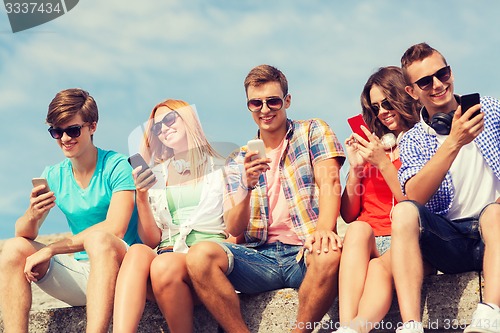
(442, 75)
(384, 104)
(273, 103)
(168, 121)
(73, 131)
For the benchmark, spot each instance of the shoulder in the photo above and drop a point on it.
(110, 156)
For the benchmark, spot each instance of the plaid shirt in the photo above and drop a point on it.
(418, 146)
(309, 142)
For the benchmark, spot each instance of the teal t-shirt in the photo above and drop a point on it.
(85, 207)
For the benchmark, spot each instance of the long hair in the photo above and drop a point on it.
(392, 83)
(199, 149)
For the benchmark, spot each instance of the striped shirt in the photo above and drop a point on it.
(419, 144)
(308, 142)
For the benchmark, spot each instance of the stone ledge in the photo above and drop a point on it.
(446, 298)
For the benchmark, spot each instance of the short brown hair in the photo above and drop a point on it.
(417, 52)
(70, 102)
(263, 74)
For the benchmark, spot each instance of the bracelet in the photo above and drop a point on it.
(246, 188)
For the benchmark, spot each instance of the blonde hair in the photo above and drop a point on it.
(199, 149)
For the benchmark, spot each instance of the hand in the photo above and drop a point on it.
(322, 240)
(35, 262)
(254, 168)
(356, 161)
(40, 204)
(143, 180)
(372, 151)
(463, 129)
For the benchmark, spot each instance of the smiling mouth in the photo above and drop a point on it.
(441, 93)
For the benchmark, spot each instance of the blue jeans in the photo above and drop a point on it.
(451, 246)
(264, 268)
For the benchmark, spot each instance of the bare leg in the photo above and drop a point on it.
(106, 253)
(207, 263)
(359, 246)
(490, 228)
(318, 290)
(131, 288)
(15, 291)
(173, 291)
(407, 262)
(377, 296)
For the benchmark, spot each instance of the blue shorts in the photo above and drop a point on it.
(451, 246)
(383, 244)
(264, 268)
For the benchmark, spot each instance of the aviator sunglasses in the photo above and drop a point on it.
(73, 131)
(442, 75)
(273, 103)
(168, 121)
(384, 104)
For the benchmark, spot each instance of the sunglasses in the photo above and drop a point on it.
(168, 121)
(442, 75)
(273, 103)
(73, 131)
(384, 104)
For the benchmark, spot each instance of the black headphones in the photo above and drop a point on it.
(440, 122)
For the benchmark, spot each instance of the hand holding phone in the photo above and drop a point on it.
(137, 160)
(257, 145)
(355, 123)
(145, 178)
(41, 181)
(468, 101)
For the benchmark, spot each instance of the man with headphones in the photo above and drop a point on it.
(451, 175)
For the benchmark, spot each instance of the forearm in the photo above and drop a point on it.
(390, 174)
(147, 228)
(351, 197)
(425, 183)
(329, 206)
(238, 215)
(27, 226)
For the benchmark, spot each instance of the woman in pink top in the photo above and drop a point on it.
(372, 189)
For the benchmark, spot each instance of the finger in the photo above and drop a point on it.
(359, 139)
(137, 171)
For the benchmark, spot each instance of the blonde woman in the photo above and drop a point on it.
(179, 202)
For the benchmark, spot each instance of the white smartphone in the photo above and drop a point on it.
(41, 181)
(257, 145)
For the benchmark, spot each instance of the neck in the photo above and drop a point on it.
(447, 108)
(273, 139)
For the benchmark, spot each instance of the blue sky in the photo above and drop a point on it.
(132, 55)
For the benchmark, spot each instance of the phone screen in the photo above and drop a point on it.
(468, 101)
(355, 123)
(137, 160)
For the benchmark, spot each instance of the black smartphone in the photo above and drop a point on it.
(136, 160)
(468, 101)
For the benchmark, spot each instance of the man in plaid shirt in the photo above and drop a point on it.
(451, 173)
(283, 206)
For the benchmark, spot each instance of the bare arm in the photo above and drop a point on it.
(425, 183)
(350, 206)
(30, 222)
(327, 178)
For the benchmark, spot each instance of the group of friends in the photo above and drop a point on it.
(422, 195)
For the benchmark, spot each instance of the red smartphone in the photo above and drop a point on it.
(355, 123)
(468, 101)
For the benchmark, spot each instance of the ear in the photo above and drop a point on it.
(409, 90)
(288, 101)
(93, 127)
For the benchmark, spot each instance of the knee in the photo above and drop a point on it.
(103, 244)
(167, 270)
(489, 220)
(378, 267)
(203, 257)
(325, 264)
(358, 232)
(405, 218)
(15, 251)
(138, 253)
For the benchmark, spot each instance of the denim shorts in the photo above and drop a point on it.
(264, 268)
(383, 244)
(451, 246)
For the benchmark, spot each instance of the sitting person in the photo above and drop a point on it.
(282, 204)
(371, 191)
(451, 173)
(95, 191)
(183, 206)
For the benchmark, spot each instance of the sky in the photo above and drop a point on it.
(132, 55)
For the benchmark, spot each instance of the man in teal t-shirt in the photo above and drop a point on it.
(95, 190)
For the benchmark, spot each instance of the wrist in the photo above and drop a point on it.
(246, 187)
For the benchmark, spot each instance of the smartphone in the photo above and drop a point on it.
(257, 145)
(355, 123)
(41, 181)
(136, 160)
(468, 101)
